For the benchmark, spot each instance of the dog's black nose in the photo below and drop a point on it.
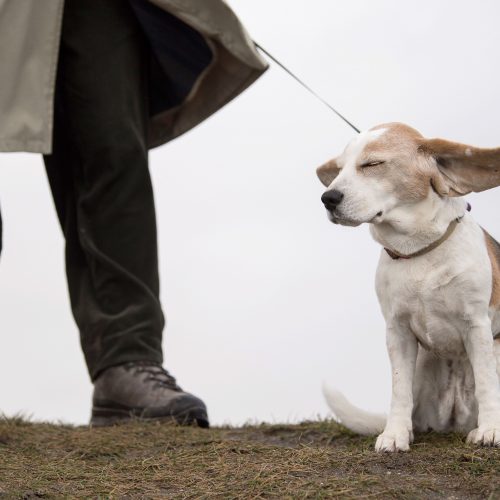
(331, 198)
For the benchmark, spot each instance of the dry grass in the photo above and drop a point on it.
(310, 460)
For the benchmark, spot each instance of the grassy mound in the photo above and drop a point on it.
(313, 459)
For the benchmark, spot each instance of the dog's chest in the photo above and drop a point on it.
(431, 299)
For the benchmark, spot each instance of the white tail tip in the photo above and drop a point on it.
(352, 417)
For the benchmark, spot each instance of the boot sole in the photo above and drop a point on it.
(105, 417)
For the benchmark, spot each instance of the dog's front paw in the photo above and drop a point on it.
(396, 439)
(485, 435)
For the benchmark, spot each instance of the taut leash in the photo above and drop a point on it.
(297, 79)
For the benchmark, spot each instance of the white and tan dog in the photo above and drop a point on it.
(438, 281)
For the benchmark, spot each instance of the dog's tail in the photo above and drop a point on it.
(355, 419)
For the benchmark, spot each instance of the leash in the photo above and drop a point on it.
(298, 80)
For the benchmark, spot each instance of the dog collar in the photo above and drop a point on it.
(451, 227)
(453, 224)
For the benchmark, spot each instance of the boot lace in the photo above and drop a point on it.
(157, 374)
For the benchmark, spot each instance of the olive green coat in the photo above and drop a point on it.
(29, 42)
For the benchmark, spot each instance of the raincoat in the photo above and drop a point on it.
(201, 58)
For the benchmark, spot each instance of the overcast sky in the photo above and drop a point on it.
(264, 297)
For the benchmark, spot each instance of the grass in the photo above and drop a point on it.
(308, 460)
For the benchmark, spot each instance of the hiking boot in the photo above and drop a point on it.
(145, 391)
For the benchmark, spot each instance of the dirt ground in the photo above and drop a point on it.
(309, 460)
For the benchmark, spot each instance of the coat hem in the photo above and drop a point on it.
(168, 135)
(15, 146)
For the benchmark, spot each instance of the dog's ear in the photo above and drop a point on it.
(462, 169)
(328, 172)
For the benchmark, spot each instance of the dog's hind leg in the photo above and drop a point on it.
(443, 395)
(496, 350)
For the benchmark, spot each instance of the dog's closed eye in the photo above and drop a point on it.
(373, 163)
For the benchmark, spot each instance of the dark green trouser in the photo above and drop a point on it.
(100, 181)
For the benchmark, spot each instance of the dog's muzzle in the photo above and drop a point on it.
(331, 199)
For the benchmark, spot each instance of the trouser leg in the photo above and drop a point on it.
(100, 181)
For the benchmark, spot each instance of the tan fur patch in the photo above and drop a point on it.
(328, 172)
(403, 171)
(494, 253)
(464, 168)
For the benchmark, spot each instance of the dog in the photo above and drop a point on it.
(437, 281)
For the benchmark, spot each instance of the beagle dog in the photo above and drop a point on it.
(437, 281)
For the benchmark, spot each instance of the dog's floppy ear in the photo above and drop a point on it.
(328, 172)
(462, 169)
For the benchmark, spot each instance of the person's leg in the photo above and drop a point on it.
(100, 181)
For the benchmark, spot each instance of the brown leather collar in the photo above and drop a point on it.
(453, 224)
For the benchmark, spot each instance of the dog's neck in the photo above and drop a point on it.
(410, 230)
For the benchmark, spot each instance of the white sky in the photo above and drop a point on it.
(264, 297)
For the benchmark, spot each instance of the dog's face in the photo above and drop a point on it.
(389, 170)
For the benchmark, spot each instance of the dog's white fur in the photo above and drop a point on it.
(441, 309)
